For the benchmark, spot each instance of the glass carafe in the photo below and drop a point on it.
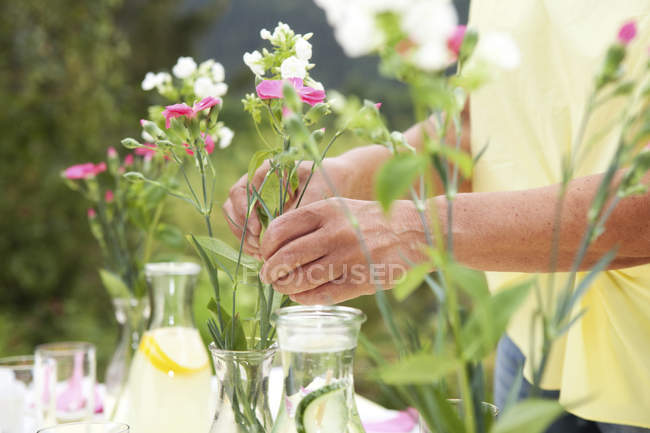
(317, 346)
(132, 315)
(169, 382)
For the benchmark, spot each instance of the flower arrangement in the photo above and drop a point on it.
(125, 218)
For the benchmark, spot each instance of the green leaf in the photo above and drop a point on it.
(468, 280)
(134, 176)
(114, 285)
(411, 281)
(530, 416)
(489, 320)
(270, 193)
(226, 256)
(396, 176)
(315, 113)
(460, 158)
(291, 98)
(256, 161)
(420, 368)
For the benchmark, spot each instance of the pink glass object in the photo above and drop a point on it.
(65, 381)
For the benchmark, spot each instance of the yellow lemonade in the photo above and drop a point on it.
(169, 384)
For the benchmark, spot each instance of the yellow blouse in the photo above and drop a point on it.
(530, 116)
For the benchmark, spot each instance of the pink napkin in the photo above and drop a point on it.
(403, 422)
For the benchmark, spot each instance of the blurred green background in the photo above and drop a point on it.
(70, 74)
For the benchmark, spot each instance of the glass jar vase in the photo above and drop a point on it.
(317, 347)
(242, 390)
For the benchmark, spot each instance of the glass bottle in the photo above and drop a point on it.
(242, 390)
(169, 382)
(317, 346)
(132, 315)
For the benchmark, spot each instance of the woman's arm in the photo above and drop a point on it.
(513, 230)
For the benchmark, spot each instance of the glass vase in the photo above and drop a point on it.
(317, 346)
(132, 315)
(242, 390)
(169, 388)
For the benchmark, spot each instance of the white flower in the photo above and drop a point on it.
(303, 49)
(357, 32)
(225, 137)
(149, 81)
(432, 56)
(254, 62)
(184, 67)
(218, 72)
(498, 49)
(377, 6)
(429, 21)
(204, 87)
(293, 67)
(310, 82)
(282, 31)
(265, 34)
(334, 9)
(152, 80)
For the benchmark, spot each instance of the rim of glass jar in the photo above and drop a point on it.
(255, 354)
(324, 316)
(121, 427)
(155, 269)
(18, 363)
(64, 348)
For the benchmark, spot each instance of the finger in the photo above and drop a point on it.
(239, 207)
(291, 256)
(310, 276)
(330, 293)
(288, 227)
(251, 243)
(229, 211)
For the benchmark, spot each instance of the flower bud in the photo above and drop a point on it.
(134, 176)
(130, 143)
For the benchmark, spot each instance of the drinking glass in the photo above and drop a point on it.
(87, 427)
(16, 405)
(64, 375)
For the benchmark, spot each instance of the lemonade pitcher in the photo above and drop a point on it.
(169, 382)
(317, 346)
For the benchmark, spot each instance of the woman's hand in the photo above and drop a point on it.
(236, 206)
(313, 253)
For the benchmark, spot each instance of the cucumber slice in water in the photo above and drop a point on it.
(323, 411)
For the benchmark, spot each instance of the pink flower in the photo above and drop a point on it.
(91, 213)
(148, 151)
(128, 160)
(286, 111)
(177, 110)
(204, 103)
(272, 89)
(456, 39)
(111, 152)
(109, 196)
(378, 105)
(627, 32)
(84, 171)
(209, 143)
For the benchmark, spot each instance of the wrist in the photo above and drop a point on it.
(413, 227)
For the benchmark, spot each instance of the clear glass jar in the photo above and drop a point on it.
(132, 315)
(242, 390)
(169, 387)
(317, 346)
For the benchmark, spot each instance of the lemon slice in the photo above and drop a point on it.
(194, 361)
